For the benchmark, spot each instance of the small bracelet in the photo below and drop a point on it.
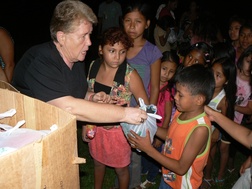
(91, 97)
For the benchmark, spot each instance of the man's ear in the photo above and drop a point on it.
(61, 37)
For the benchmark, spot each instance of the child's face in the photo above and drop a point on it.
(246, 70)
(194, 57)
(219, 76)
(184, 100)
(168, 70)
(113, 55)
(245, 38)
(134, 24)
(233, 30)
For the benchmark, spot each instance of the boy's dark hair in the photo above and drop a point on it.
(198, 79)
(246, 25)
(236, 18)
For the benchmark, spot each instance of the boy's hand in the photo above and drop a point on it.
(141, 143)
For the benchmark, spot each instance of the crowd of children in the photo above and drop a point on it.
(188, 66)
(199, 80)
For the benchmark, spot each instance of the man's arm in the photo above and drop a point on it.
(99, 112)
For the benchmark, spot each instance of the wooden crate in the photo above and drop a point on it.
(50, 163)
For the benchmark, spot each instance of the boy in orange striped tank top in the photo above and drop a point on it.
(187, 141)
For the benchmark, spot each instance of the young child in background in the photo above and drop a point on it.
(198, 53)
(245, 38)
(162, 31)
(187, 141)
(223, 101)
(235, 23)
(243, 96)
(165, 108)
(145, 57)
(115, 77)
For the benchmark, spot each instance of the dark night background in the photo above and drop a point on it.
(28, 21)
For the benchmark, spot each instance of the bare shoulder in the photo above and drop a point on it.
(5, 37)
(4, 32)
(200, 135)
(200, 131)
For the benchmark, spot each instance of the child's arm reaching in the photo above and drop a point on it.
(195, 145)
(238, 132)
